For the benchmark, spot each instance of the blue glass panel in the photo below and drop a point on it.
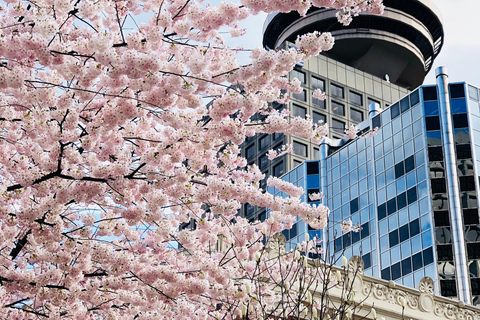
(458, 105)
(431, 108)
(417, 127)
(426, 239)
(425, 223)
(313, 181)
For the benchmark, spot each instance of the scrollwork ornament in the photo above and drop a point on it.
(412, 301)
(426, 285)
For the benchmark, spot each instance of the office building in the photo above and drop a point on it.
(413, 188)
(376, 59)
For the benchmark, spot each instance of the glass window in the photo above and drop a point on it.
(460, 120)
(250, 151)
(316, 117)
(473, 93)
(338, 108)
(336, 91)
(264, 142)
(320, 103)
(277, 135)
(355, 98)
(457, 91)
(414, 98)
(318, 83)
(279, 170)
(429, 93)
(356, 115)
(316, 153)
(395, 110)
(299, 148)
(298, 111)
(263, 161)
(338, 126)
(296, 163)
(299, 75)
(300, 96)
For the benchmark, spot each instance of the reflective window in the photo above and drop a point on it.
(414, 98)
(355, 98)
(432, 123)
(263, 161)
(316, 117)
(298, 111)
(299, 75)
(473, 93)
(320, 103)
(264, 142)
(429, 93)
(338, 108)
(318, 83)
(457, 90)
(250, 151)
(356, 115)
(278, 170)
(460, 120)
(300, 96)
(404, 104)
(300, 148)
(338, 126)
(336, 91)
(395, 110)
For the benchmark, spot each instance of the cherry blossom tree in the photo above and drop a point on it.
(113, 139)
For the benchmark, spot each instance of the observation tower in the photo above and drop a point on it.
(398, 46)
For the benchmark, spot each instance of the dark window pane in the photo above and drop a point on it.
(355, 98)
(393, 238)
(417, 261)
(365, 232)
(464, 151)
(432, 123)
(354, 206)
(293, 231)
(299, 148)
(356, 115)
(399, 170)
(382, 211)
(460, 120)
(336, 91)
(263, 161)
(409, 164)
(414, 227)
(391, 206)
(312, 167)
(320, 103)
(355, 237)
(367, 260)
(406, 266)
(439, 185)
(473, 250)
(470, 216)
(286, 233)
(395, 110)
(448, 288)
(412, 195)
(338, 245)
(404, 234)
(404, 104)
(457, 91)
(475, 286)
(376, 121)
(472, 234)
(435, 154)
(264, 142)
(250, 151)
(347, 239)
(444, 252)
(414, 98)
(467, 183)
(441, 218)
(402, 200)
(443, 235)
(396, 273)
(429, 93)
(386, 274)
(278, 170)
(428, 256)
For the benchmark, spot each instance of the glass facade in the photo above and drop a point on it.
(395, 185)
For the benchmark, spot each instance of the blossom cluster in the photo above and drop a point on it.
(121, 175)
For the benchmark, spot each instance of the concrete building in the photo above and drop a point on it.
(377, 59)
(413, 188)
